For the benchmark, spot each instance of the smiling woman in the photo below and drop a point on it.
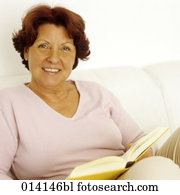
(50, 43)
(59, 16)
(51, 57)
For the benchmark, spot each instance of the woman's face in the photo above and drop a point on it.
(51, 57)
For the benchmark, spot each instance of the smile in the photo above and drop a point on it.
(53, 70)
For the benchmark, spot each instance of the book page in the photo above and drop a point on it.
(143, 144)
(104, 168)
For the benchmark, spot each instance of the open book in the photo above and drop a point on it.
(111, 167)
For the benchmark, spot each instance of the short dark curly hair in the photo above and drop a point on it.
(43, 14)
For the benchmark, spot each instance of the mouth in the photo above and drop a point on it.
(51, 70)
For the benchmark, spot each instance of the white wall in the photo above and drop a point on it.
(121, 32)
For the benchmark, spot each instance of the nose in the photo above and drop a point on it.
(53, 56)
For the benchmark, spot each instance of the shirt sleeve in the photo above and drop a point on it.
(129, 129)
(8, 145)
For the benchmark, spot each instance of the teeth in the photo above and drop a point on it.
(51, 69)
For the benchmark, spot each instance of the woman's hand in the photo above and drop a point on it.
(148, 153)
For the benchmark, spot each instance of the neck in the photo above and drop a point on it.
(50, 93)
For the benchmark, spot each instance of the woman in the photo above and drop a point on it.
(53, 124)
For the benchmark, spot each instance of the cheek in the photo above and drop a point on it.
(35, 59)
(70, 61)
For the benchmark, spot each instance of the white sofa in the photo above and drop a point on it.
(150, 94)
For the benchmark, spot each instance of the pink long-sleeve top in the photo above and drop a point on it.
(36, 142)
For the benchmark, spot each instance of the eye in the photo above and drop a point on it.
(43, 46)
(66, 49)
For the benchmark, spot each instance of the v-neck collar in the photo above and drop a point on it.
(50, 108)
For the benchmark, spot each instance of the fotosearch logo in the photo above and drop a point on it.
(117, 187)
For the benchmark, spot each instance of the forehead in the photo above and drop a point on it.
(53, 32)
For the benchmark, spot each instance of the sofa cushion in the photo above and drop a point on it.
(136, 90)
(9, 81)
(167, 76)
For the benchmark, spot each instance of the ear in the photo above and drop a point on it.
(26, 54)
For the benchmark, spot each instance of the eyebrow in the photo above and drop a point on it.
(42, 40)
(49, 42)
